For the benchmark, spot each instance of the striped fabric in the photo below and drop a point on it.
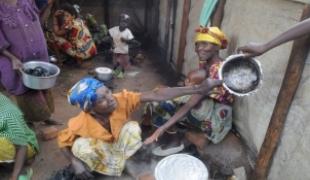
(13, 126)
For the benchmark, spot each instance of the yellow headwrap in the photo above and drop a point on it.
(212, 35)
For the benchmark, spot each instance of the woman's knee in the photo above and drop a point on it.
(132, 126)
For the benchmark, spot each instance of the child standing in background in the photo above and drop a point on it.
(121, 36)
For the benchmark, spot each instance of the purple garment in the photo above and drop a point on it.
(20, 34)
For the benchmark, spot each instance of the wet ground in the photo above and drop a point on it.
(221, 159)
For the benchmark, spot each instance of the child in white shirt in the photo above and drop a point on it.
(121, 36)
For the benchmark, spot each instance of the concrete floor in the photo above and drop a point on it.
(221, 159)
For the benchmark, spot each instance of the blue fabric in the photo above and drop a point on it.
(83, 93)
(41, 3)
(168, 107)
(206, 12)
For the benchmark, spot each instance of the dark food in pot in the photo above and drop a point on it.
(38, 71)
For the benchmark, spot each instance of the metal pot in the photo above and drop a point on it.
(40, 83)
(246, 73)
(104, 73)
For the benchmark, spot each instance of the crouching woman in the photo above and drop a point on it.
(102, 137)
(17, 142)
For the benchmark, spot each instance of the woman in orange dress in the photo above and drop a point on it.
(101, 138)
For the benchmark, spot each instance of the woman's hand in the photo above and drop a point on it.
(16, 63)
(253, 49)
(80, 170)
(154, 136)
(208, 84)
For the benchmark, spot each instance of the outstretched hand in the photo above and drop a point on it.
(17, 64)
(209, 84)
(154, 136)
(252, 49)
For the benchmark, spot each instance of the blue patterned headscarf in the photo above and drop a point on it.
(84, 93)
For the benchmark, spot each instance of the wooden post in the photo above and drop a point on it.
(146, 15)
(218, 14)
(135, 19)
(174, 7)
(184, 28)
(167, 30)
(106, 13)
(286, 95)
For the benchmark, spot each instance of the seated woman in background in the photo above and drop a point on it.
(208, 118)
(71, 35)
(17, 142)
(102, 137)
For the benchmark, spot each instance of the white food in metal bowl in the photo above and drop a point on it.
(240, 76)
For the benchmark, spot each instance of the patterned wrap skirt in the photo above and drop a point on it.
(210, 117)
(8, 151)
(109, 158)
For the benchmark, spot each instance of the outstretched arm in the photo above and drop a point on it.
(20, 158)
(175, 118)
(162, 94)
(294, 32)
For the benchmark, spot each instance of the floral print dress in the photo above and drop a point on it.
(78, 42)
(213, 115)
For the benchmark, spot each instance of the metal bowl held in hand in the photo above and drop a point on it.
(241, 76)
(103, 73)
(39, 75)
